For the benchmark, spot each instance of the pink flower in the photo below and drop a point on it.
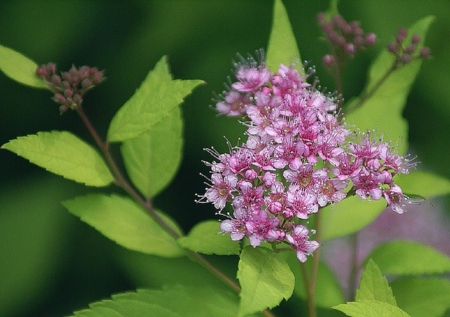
(251, 79)
(221, 190)
(299, 239)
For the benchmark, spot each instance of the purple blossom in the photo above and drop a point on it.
(298, 158)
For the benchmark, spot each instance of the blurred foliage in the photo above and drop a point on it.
(52, 264)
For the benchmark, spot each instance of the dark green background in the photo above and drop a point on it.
(51, 263)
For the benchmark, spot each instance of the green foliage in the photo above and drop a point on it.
(153, 102)
(370, 308)
(265, 279)
(19, 68)
(374, 286)
(179, 300)
(123, 221)
(206, 237)
(402, 258)
(153, 158)
(349, 216)
(373, 298)
(423, 296)
(383, 109)
(423, 183)
(65, 154)
(282, 47)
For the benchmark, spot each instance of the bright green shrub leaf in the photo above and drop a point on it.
(265, 279)
(178, 300)
(370, 308)
(409, 258)
(282, 47)
(382, 110)
(153, 158)
(126, 223)
(206, 237)
(19, 68)
(65, 154)
(428, 297)
(349, 216)
(152, 103)
(374, 286)
(423, 183)
(328, 290)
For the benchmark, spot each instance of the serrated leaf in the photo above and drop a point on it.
(423, 183)
(282, 47)
(409, 258)
(349, 216)
(65, 154)
(428, 297)
(370, 308)
(206, 237)
(177, 300)
(328, 290)
(126, 223)
(383, 110)
(153, 158)
(19, 68)
(374, 286)
(265, 279)
(151, 103)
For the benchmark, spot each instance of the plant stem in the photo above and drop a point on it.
(353, 266)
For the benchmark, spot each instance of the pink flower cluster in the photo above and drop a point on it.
(297, 158)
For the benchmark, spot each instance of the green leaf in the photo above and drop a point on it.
(349, 216)
(177, 300)
(423, 183)
(265, 278)
(374, 286)
(153, 158)
(409, 258)
(19, 68)
(370, 308)
(282, 47)
(65, 154)
(152, 103)
(206, 237)
(328, 290)
(428, 297)
(383, 110)
(126, 223)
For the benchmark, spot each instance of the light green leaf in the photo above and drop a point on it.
(428, 297)
(126, 223)
(152, 103)
(423, 183)
(349, 216)
(282, 47)
(370, 308)
(153, 158)
(374, 286)
(19, 68)
(409, 258)
(328, 290)
(206, 237)
(383, 109)
(265, 279)
(65, 154)
(177, 300)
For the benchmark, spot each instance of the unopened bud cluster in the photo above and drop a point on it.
(406, 52)
(298, 158)
(345, 38)
(70, 86)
